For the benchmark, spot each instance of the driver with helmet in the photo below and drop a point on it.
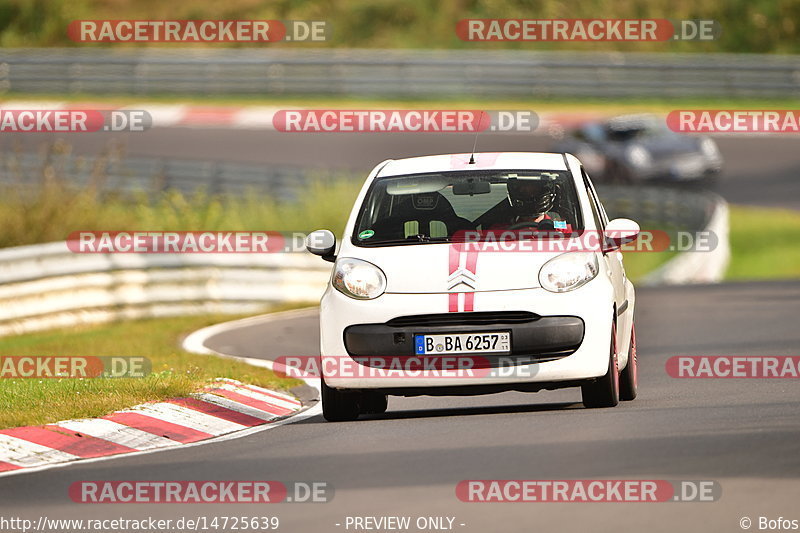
(532, 203)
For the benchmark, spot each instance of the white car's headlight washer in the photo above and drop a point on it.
(358, 279)
(569, 271)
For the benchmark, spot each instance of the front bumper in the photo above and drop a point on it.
(351, 329)
(533, 338)
(681, 168)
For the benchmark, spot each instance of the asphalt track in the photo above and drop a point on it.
(758, 170)
(742, 433)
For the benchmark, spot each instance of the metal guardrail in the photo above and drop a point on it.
(111, 173)
(395, 73)
(45, 286)
(662, 208)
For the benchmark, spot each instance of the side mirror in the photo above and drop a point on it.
(322, 243)
(618, 232)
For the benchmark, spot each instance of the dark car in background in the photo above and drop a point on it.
(639, 148)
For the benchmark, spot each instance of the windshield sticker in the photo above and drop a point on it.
(366, 234)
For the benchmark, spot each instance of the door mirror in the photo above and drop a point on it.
(322, 243)
(618, 232)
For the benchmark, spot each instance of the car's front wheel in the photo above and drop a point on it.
(604, 391)
(339, 406)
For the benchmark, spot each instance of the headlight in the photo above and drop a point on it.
(358, 279)
(638, 156)
(569, 271)
(709, 148)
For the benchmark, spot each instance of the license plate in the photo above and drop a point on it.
(494, 342)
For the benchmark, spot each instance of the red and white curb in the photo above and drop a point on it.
(224, 408)
(195, 343)
(249, 117)
(553, 123)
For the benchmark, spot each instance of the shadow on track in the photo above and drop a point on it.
(458, 411)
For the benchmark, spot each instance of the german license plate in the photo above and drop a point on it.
(493, 342)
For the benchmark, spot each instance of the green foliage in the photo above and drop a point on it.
(764, 251)
(54, 210)
(748, 26)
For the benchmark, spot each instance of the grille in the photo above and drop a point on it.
(469, 319)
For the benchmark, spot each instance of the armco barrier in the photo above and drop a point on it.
(395, 73)
(698, 266)
(45, 286)
(676, 209)
(152, 175)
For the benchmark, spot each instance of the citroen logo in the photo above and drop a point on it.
(461, 277)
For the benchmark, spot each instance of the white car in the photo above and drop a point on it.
(473, 274)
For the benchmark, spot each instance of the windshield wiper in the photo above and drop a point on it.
(411, 239)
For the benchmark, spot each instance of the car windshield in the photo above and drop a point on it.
(625, 129)
(441, 207)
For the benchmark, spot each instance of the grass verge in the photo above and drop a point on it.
(639, 264)
(175, 372)
(765, 243)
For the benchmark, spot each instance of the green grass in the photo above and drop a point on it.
(639, 264)
(175, 373)
(54, 210)
(765, 243)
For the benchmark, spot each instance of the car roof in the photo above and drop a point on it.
(483, 161)
(627, 122)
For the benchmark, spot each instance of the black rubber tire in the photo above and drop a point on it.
(373, 403)
(604, 391)
(338, 406)
(629, 377)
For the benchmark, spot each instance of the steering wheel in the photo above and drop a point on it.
(524, 224)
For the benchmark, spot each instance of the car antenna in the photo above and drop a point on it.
(475, 143)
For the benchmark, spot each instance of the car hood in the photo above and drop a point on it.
(444, 267)
(668, 146)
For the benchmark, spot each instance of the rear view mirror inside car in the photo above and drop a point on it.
(472, 187)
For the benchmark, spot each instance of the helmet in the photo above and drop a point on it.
(531, 197)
